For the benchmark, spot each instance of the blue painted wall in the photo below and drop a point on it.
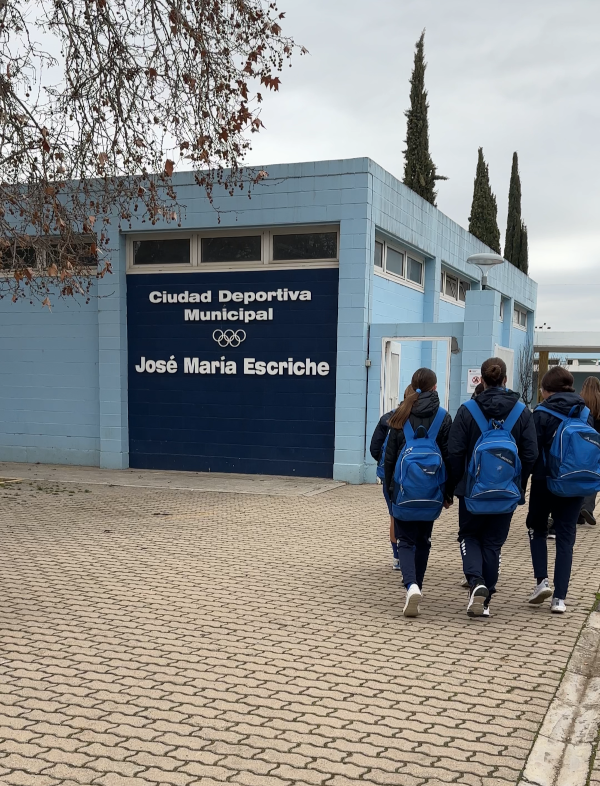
(450, 312)
(49, 401)
(394, 302)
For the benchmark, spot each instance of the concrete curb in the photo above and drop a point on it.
(563, 748)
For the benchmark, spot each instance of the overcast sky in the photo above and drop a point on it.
(513, 75)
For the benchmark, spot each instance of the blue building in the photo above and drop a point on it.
(266, 336)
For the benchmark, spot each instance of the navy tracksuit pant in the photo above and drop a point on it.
(414, 545)
(481, 539)
(565, 512)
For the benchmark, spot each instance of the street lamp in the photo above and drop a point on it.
(485, 262)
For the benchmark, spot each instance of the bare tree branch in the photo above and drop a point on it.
(525, 372)
(91, 137)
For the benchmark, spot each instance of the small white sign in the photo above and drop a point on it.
(473, 379)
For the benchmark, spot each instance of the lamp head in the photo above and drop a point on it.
(485, 262)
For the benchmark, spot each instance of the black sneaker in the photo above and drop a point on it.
(588, 517)
(551, 533)
(477, 600)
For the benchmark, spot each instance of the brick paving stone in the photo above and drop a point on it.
(232, 641)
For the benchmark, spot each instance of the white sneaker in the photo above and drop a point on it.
(540, 593)
(413, 598)
(477, 600)
(558, 606)
(464, 583)
(486, 611)
(396, 565)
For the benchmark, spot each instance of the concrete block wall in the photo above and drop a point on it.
(448, 312)
(393, 301)
(482, 328)
(49, 396)
(112, 361)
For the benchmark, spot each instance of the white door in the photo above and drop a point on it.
(391, 376)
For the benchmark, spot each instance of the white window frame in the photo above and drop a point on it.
(459, 280)
(517, 311)
(501, 309)
(267, 261)
(383, 272)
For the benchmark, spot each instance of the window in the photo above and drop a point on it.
(306, 245)
(398, 264)
(520, 318)
(12, 258)
(451, 288)
(463, 288)
(161, 252)
(48, 250)
(233, 248)
(501, 311)
(414, 271)
(394, 262)
(454, 288)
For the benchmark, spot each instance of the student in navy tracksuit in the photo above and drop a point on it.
(559, 395)
(377, 440)
(420, 406)
(481, 537)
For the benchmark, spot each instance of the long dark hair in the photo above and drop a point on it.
(558, 380)
(493, 371)
(590, 393)
(423, 380)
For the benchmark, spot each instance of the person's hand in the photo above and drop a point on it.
(448, 503)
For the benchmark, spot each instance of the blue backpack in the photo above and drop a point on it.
(420, 474)
(494, 470)
(380, 463)
(573, 465)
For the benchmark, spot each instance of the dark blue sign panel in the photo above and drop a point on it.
(233, 372)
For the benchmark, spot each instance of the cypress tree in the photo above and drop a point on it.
(514, 224)
(483, 221)
(524, 251)
(419, 170)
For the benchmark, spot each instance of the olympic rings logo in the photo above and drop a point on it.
(229, 338)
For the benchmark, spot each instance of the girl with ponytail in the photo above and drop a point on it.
(377, 449)
(420, 406)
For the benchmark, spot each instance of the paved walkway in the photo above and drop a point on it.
(152, 636)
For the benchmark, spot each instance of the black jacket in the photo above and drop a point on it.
(495, 403)
(379, 435)
(423, 413)
(546, 425)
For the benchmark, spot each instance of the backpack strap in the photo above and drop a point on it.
(541, 408)
(515, 414)
(584, 415)
(435, 427)
(473, 407)
(409, 433)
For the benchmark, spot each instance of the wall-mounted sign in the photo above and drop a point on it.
(473, 379)
(233, 371)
